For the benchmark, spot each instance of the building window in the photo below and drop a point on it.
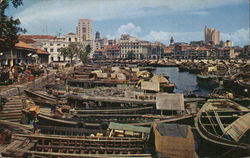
(58, 44)
(69, 39)
(51, 49)
(46, 49)
(58, 58)
(51, 44)
(84, 37)
(52, 58)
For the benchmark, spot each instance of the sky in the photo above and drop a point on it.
(152, 20)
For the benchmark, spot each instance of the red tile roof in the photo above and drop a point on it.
(21, 44)
(168, 49)
(27, 40)
(37, 37)
(41, 51)
(114, 47)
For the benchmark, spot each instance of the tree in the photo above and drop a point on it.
(9, 27)
(84, 54)
(72, 51)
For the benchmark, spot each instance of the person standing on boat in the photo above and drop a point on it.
(35, 124)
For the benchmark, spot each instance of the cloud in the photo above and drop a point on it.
(55, 10)
(239, 36)
(129, 28)
(200, 13)
(178, 36)
(47, 14)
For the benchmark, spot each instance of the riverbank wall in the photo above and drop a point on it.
(34, 85)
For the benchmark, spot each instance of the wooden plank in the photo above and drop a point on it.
(98, 147)
(239, 127)
(83, 155)
(219, 122)
(114, 110)
(78, 138)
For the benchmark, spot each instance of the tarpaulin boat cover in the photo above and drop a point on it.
(173, 130)
(127, 127)
(153, 86)
(175, 141)
(167, 101)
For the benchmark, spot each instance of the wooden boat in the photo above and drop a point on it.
(169, 88)
(225, 124)
(221, 93)
(15, 127)
(43, 99)
(109, 109)
(129, 110)
(77, 146)
(207, 81)
(239, 83)
(101, 121)
(183, 67)
(87, 83)
(243, 87)
(69, 131)
(109, 103)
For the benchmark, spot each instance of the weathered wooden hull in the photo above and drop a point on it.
(209, 125)
(207, 82)
(169, 88)
(103, 123)
(130, 110)
(80, 146)
(43, 100)
(92, 84)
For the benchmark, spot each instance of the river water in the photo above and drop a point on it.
(183, 80)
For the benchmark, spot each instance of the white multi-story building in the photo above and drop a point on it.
(132, 48)
(53, 47)
(84, 30)
(71, 37)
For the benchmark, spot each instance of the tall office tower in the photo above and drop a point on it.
(212, 36)
(84, 29)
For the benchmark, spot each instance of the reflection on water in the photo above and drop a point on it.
(183, 80)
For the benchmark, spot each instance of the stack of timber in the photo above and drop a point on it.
(12, 109)
(225, 124)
